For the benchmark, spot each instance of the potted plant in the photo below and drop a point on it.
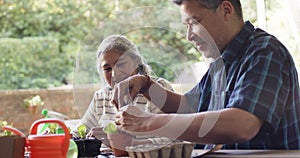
(32, 103)
(87, 147)
(5, 132)
(13, 145)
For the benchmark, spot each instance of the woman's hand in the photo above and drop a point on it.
(97, 132)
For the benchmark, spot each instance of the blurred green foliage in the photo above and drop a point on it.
(70, 22)
(31, 62)
(80, 26)
(5, 132)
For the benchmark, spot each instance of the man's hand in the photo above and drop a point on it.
(133, 121)
(126, 90)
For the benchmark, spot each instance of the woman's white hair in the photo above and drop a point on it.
(124, 45)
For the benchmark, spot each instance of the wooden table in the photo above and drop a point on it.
(247, 154)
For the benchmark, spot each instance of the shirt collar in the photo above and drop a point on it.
(232, 50)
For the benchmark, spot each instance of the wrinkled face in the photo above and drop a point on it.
(116, 66)
(204, 27)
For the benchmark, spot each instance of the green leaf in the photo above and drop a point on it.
(82, 131)
(52, 127)
(110, 128)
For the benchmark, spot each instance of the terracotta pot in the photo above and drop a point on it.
(12, 146)
(118, 142)
(32, 109)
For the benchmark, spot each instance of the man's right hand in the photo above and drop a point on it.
(126, 90)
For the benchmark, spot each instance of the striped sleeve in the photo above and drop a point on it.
(89, 116)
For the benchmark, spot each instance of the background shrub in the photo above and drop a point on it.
(31, 62)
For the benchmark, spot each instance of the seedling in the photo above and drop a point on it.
(110, 128)
(82, 131)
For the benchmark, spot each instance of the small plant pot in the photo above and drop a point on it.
(119, 141)
(32, 109)
(12, 146)
(88, 147)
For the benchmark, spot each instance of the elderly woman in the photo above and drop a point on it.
(117, 59)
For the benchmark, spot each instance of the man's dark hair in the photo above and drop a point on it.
(213, 4)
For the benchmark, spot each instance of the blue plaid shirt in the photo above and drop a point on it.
(261, 79)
